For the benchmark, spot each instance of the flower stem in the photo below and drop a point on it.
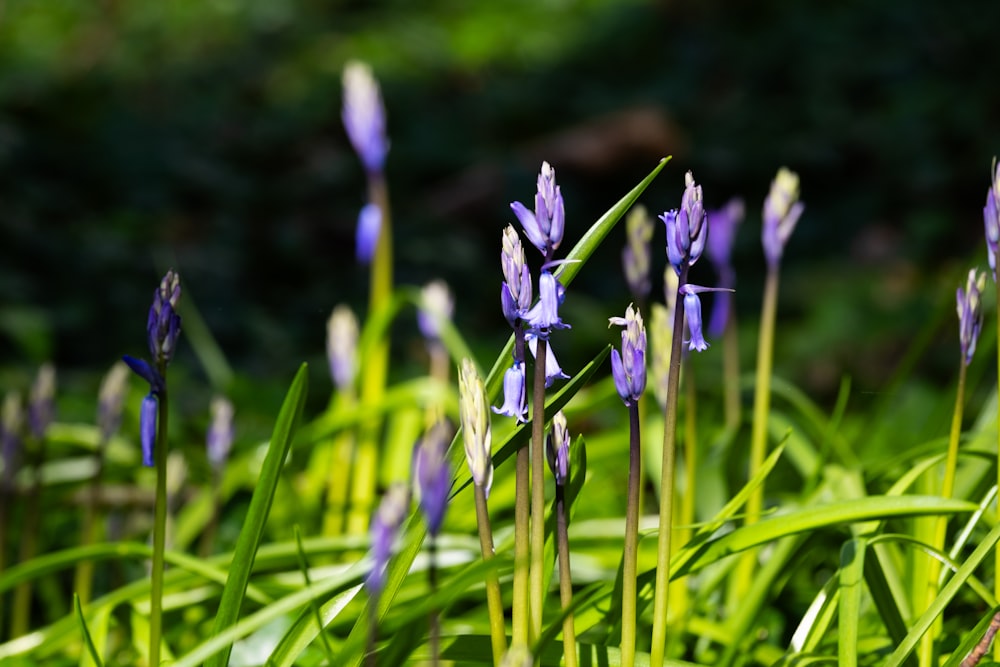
(996, 576)
(565, 578)
(522, 467)
(663, 545)
(83, 577)
(630, 557)
(941, 523)
(494, 602)
(731, 370)
(537, 592)
(434, 632)
(159, 532)
(21, 614)
(687, 508)
(761, 410)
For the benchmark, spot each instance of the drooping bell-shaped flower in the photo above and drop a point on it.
(970, 313)
(219, 438)
(628, 368)
(436, 305)
(991, 219)
(553, 371)
(476, 430)
(433, 475)
(544, 227)
(557, 448)
(384, 527)
(364, 115)
(544, 315)
(687, 231)
(342, 346)
(515, 292)
(110, 398)
(722, 225)
(692, 314)
(147, 428)
(637, 255)
(514, 404)
(369, 228)
(782, 210)
(42, 402)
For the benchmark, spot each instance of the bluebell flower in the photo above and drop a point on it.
(628, 368)
(637, 255)
(110, 398)
(687, 232)
(369, 227)
(692, 314)
(514, 404)
(436, 305)
(544, 227)
(11, 418)
(219, 438)
(364, 116)
(544, 315)
(782, 210)
(147, 428)
(515, 292)
(991, 219)
(552, 369)
(723, 224)
(476, 429)
(970, 313)
(384, 527)
(433, 475)
(342, 346)
(41, 406)
(557, 448)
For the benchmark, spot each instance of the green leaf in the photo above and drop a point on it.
(260, 507)
(852, 575)
(87, 639)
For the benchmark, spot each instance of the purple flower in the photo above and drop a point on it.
(628, 369)
(782, 210)
(970, 313)
(385, 524)
(147, 428)
(515, 292)
(552, 369)
(991, 219)
(514, 404)
(219, 439)
(636, 257)
(436, 305)
(342, 346)
(369, 226)
(557, 448)
(692, 313)
(476, 429)
(433, 476)
(545, 226)
(41, 406)
(544, 315)
(364, 116)
(722, 224)
(110, 398)
(687, 232)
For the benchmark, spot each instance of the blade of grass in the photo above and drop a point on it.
(87, 639)
(852, 575)
(260, 507)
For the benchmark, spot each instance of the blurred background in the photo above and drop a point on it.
(206, 136)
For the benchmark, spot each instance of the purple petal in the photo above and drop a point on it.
(147, 428)
(369, 226)
(531, 227)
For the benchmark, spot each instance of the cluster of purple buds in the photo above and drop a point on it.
(515, 291)
(722, 225)
(557, 449)
(433, 474)
(385, 525)
(544, 227)
(782, 210)
(163, 328)
(970, 313)
(628, 368)
(687, 230)
(991, 219)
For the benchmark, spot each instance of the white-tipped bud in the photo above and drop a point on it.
(476, 433)
(342, 346)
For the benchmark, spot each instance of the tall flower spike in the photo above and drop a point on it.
(514, 404)
(342, 346)
(991, 219)
(687, 232)
(557, 448)
(436, 305)
(364, 115)
(692, 314)
(476, 431)
(219, 439)
(553, 371)
(637, 255)
(545, 226)
(110, 398)
(970, 313)
(433, 475)
(782, 210)
(515, 294)
(41, 407)
(385, 525)
(628, 368)
(723, 224)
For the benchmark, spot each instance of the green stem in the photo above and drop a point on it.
(519, 612)
(21, 614)
(941, 523)
(376, 367)
(341, 466)
(686, 528)
(537, 570)
(996, 570)
(663, 543)
(565, 578)
(84, 575)
(159, 531)
(434, 631)
(758, 436)
(630, 556)
(731, 370)
(494, 601)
